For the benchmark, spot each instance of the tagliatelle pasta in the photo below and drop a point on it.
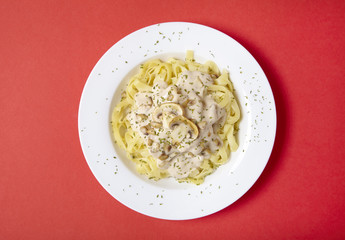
(177, 119)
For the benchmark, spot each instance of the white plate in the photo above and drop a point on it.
(167, 199)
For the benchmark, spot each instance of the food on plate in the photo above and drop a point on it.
(177, 119)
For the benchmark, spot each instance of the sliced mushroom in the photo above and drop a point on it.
(151, 131)
(167, 147)
(188, 102)
(184, 128)
(146, 130)
(166, 109)
(206, 152)
(149, 101)
(156, 124)
(191, 102)
(163, 157)
(149, 142)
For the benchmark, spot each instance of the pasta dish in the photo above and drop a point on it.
(177, 119)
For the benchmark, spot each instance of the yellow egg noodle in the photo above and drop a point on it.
(150, 73)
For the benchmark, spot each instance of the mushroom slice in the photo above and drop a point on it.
(149, 142)
(167, 148)
(188, 102)
(163, 157)
(156, 124)
(165, 110)
(183, 128)
(146, 130)
(206, 153)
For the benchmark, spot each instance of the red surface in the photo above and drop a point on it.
(47, 50)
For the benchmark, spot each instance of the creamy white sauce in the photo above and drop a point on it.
(179, 122)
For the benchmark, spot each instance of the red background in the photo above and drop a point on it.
(48, 49)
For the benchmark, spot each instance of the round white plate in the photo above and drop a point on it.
(168, 199)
